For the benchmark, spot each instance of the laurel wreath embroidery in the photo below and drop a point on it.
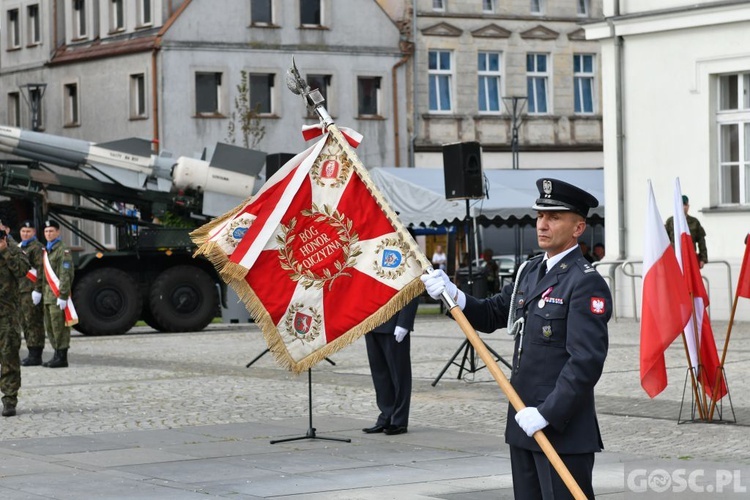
(347, 237)
(314, 331)
(229, 233)
(335, 152)
(406, 251)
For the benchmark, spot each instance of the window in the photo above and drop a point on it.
(14, 29)
(537, 7)
(138, 96)
(488, 6)
(261, 93)
(14, 109)
(144, 13)
(583, 8)
(75, 235)
(583, 83)
(368, 96)
(309, 13)
(489, 88)
(440, 77)
(733, 118)
(34, 30)
(261, 12)
(71, 104)
(438, 5)
(35, 98)
(110, 236)
(536, 83)
(116, 16)
(79, 18)
(208, 93)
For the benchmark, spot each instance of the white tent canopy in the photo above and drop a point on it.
(418, 194)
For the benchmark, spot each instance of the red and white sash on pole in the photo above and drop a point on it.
(71, 316)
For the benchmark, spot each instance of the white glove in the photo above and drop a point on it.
(62, 303)
(400, 333)
(437, 281)
(530, 420)
(36, 297)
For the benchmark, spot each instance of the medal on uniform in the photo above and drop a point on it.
(542, 302)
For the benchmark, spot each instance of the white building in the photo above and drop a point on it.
(676, 103)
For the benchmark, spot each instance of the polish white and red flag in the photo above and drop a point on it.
(699, 335)
(317, 256)
(666, 303)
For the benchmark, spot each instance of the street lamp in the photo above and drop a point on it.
(514, 106)
(33, 97)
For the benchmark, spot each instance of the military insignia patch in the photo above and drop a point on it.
(547, 331)
(598, 305)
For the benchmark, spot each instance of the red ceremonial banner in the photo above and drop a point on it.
(317, 256)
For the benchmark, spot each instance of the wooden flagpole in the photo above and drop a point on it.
(315, 103)
(720, 375)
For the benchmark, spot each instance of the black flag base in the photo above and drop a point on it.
(471, 356)
(703, 410)
(310, 434)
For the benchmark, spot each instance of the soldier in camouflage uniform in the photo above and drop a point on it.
(61, 263)
(696, 232)
(32, 313)
(13, 268)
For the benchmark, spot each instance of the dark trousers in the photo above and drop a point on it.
(534, 477)
(390, 366)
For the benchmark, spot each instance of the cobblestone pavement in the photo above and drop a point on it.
(145, 380)
(149, 381)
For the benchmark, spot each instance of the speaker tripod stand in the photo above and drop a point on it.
(470, 356)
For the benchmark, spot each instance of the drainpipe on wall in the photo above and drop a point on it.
(415, 122)
(407, 49)
(154, 73)
(619, 125)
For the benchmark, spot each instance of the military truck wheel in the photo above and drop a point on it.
(107, 301)
(149, 319)
(183, 299)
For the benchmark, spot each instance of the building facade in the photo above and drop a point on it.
(169, 70)
(479, 63)
(676, 81)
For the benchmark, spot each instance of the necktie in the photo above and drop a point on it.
(542, 271)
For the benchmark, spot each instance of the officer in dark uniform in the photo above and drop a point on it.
(558, 310)
(389, 353)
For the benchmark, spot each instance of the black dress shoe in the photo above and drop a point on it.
(374, 429)
(395, 429)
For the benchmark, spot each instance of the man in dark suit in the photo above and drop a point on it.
(558, 310)
(389, 353)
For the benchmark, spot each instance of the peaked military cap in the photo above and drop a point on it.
(51, 223)
(555, 194)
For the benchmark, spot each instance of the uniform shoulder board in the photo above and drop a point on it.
(585, 266)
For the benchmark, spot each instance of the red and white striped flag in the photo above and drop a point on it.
(698, 333)
(665, 301)
(317, 256)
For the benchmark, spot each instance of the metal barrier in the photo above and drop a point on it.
(628, 269)
(611, 279)
(729, 281)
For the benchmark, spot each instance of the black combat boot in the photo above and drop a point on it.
(34, 358)
(9, 410)
(60, 360)
(53, 359)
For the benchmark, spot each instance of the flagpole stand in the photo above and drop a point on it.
(256, 358)
(719, 405)
(310, 434)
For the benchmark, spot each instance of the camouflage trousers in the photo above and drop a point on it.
(32, 321)
(10, 360)
(54, 323)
